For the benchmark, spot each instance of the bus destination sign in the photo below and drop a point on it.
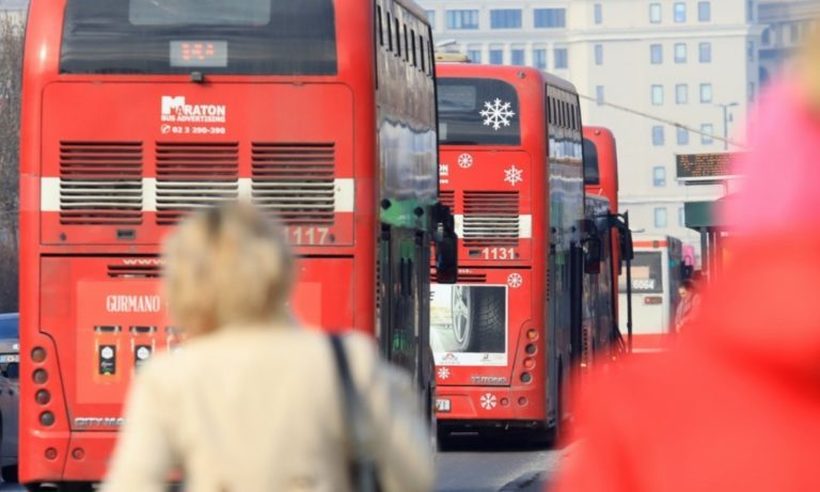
(704, 166)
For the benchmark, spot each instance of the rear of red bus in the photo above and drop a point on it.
(496, 338)
(137, 112)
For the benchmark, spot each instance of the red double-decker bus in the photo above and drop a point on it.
(136, 112)
(611, 237)
(511, 169)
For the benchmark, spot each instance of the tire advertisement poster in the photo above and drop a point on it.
(469, 324)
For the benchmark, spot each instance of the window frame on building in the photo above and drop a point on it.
(661, 218)
(711, 91)
(506, 18)
(658, 136)
(655, 13)
(705, 52)
(659, 177)
(536, 58)
(599, 54)
(657, 95)
(656, 49)
(560, 62)
(549, 18)
(707, 131)
(679, 12)
(681, 94)
(462, 19)
(682, 136)
(704, 11)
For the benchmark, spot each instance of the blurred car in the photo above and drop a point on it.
(9, 394)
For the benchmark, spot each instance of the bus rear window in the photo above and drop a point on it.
(591, 173)
(478, 112)
(243, 37)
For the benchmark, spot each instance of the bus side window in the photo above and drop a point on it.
(413, 44)
(389, 32)
(551, 110)
(398, 36)
(406, 45)
(423, 50)
(380, 24)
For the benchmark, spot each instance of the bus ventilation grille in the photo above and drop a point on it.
(191, 176)
(134, 271)
(100, 183)
(295, 181)
(491, 219)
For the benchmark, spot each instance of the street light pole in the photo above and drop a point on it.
(726, 116)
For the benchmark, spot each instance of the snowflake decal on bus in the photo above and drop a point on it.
(497, 114)
(515, 280)
(488, 401)
(465, 161)
(443, 373)
(513, 175)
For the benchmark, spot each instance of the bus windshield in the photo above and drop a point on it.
(253, 37)
(647, 273)
(478, 112)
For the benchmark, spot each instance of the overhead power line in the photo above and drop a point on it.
(652, 117)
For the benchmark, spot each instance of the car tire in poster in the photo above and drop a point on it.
(478, 318)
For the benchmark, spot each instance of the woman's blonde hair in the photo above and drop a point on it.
(227, 266)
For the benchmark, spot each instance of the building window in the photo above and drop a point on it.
(705, 52)
(599, 95)
(750, 50)
(767, 37)
(683, 136)
(599, 54)
(658, 176)
(496, 56)
(431, 16)
(680, 12)
(682, 216)
(517, 55)
(706, 93)
(682, 94)
(561, 58)
(707, 131)
(462, 19)
(750, 11)
(599, 13)
(704, 11)
(658, 136)
(539, 58)
(550, 18)
(680, 53)
(657, 95)
(656, 54)
(474, 55)
(660, 218)
(505, 19)
(794, 33)
(752, 91)
(655, 14)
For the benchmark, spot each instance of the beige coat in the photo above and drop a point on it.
(261, 410)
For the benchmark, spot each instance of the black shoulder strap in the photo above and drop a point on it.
(362, 468)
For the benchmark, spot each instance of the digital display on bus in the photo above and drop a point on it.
(194, 54)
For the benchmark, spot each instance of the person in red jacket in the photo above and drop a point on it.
(736, 405)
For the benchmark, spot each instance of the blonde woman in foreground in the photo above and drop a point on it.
(253, 402)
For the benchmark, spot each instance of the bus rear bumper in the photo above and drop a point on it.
(491, 406)
(66, 457)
